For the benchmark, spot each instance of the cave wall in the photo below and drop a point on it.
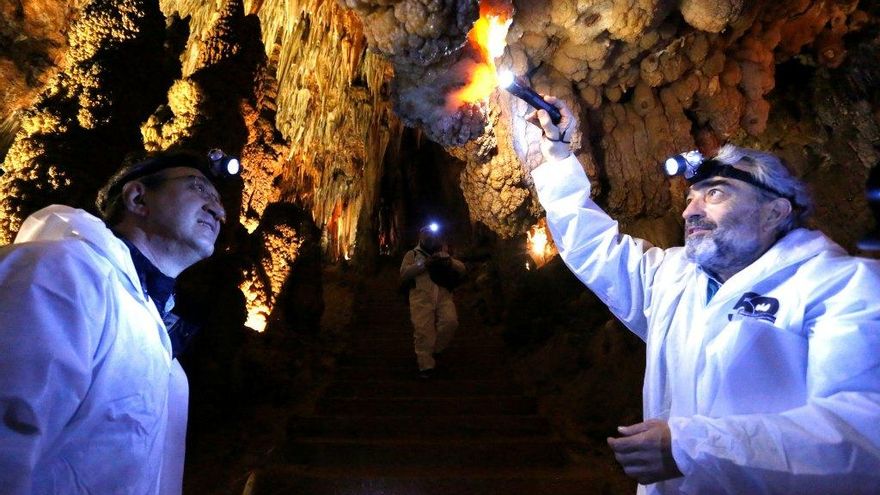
(287, 86)
(648, 79)
(292, 88)
(313, 95)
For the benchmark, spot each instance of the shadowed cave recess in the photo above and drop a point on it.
(359, 121)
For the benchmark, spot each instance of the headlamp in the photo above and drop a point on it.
(695, 169)
(216, 167)
(518, 88)
(434, 227)
(686, 164)
(223, 165)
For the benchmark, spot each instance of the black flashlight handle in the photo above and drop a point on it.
(529, 96)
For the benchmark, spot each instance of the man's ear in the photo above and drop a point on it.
(775, 212)
(133, 198)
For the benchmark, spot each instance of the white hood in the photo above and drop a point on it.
(59, 222)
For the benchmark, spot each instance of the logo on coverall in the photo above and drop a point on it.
(753, 305)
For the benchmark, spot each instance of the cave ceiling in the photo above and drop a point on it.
(314, 96)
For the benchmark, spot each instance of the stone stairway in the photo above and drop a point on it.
(378, 429)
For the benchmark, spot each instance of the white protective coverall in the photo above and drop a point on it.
(431, 309)
(90, 398)
(771, 387)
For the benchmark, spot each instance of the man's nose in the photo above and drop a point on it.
(216, 210)
(693, 209)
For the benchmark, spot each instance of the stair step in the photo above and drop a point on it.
(415, 387)
(427, 427)
(370, 340)
(286, 480)
(421, 406)
(407, 359)
(484, 454)
(494, 353)
(469, 371)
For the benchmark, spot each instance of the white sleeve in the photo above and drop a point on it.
(408, 269)
(618, 268)
(831, 445)
(48, 342)
(458, 266)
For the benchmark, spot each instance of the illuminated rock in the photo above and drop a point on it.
(416, 31)
(114, 74)
(313, 114)
(34, 41)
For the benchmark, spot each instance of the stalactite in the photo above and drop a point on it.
(93, 101)
(33, 43)
(317, 123)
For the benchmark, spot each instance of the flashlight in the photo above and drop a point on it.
(685, 163)
(514, 86)
(433, 227)
(223, 165)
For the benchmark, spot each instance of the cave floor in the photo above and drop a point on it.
(376, 428)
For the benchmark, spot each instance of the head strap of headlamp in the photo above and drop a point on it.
(713, 168)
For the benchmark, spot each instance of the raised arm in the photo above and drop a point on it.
(411, 267)
(616, 267)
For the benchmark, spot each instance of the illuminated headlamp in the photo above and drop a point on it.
(686, 164)
(216, 167)
(432, 229)
(518, 88)
(223, 165)
(695, 169)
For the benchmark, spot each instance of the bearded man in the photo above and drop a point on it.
(763, 337)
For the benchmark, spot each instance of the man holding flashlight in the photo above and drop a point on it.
(92, 399)
(763, 337)
(432, 274)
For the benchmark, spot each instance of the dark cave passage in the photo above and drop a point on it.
(374, 426)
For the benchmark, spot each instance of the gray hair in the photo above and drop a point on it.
(769, 170)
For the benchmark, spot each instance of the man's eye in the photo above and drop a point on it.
(714, 193)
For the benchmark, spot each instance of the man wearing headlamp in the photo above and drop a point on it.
(92, 399)
(763, 337)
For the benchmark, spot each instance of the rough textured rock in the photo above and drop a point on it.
(277, 247)
(712, 16)
(415, 31)
(290, 86)
(427, 43)
(310, 111)
(655, 86)
(33, 42)
(116, 71)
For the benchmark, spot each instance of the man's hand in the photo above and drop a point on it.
(645, 451)
(556, 137)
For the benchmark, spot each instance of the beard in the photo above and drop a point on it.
(726, 248)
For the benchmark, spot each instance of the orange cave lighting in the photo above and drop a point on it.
(539, 244)
(488, 36)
